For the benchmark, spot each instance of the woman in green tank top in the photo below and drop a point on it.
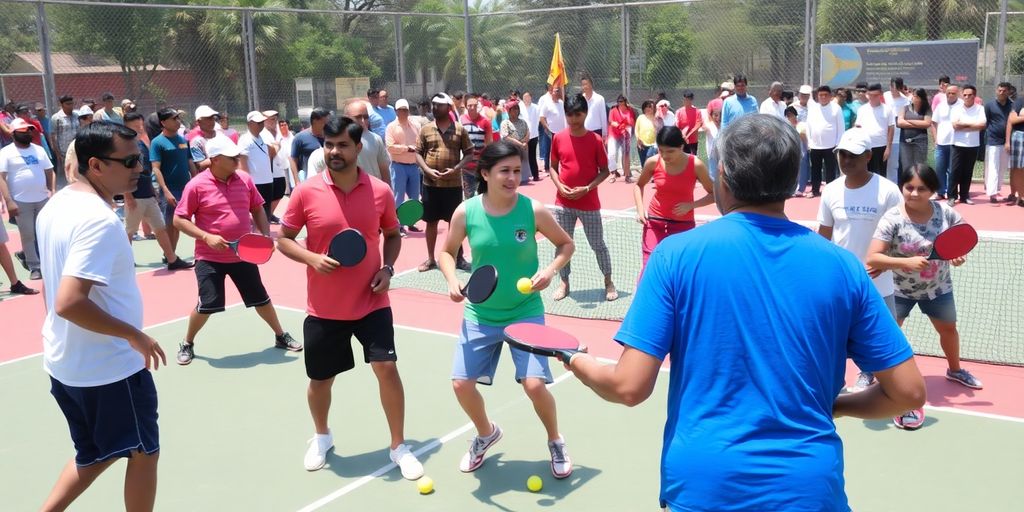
(502, 227)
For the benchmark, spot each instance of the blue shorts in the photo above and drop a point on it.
(112, 420)
(941, 308)
(478, 351)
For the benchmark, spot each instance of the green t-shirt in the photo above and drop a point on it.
(508, 242)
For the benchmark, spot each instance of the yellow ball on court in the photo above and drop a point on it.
(534, 483)
(524, 285)
(425, 485)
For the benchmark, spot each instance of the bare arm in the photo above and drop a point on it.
(825, 231)
(163, 186)
(877, 258)
(638, 188)
(899, 389)
(12, 207)
(392, 246)
(295, 251)
(259, 217)
(630, 381)
(446, 260)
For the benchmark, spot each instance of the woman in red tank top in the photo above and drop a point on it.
(675, 174)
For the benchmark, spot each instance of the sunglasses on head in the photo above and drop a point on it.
(130, 161)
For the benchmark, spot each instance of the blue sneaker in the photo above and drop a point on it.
(963, 377)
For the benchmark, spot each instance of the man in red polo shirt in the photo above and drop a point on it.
(217, 206)
(341, 198)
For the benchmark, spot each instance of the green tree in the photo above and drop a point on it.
(19, 22)
(668, 47)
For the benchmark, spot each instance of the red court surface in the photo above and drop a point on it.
(170, 296)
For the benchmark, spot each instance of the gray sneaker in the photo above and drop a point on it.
(963, 377)
(474, 458)
(864, 379)
(561, 463)
(186, 353)
(286, 342)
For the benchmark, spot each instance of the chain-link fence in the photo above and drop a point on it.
(266, 55)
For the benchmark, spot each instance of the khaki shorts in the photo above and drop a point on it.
(146, 208)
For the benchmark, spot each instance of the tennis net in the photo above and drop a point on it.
(989, 290)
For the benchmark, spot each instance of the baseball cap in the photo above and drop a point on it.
(255, 117)
(442, 99)
(728, 85)
(166, 113)
(402, 103)
(854, 141)
(221, 146)
(85, 111)
(22, 107)
(805, 89)
(21, 125)
(205, 111)
(269, 113)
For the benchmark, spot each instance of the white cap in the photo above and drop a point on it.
(255, 117)
(84, 111)
(664, 103)
(442, 99)
(402, 103)
(805, 89)
(221, 146)
(205, 111)
(854, 141)
(728, 85)
(269, 113)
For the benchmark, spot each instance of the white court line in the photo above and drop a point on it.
(154, 326)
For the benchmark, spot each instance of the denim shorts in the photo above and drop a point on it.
(479, 349)
(941, 308)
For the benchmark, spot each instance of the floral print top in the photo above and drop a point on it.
(907, 239)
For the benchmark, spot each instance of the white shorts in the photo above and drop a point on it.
(617, 149)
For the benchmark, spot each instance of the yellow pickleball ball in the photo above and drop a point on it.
(534, 483)
(425, 485)
(524, 285)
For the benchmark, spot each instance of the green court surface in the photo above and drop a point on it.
(234, 426)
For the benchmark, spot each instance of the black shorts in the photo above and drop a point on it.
(168, 214)
(112, 420)
(280, 186)
(328, 349)
(266, 191)
(690, 148)
(246, 276)
(439, 203)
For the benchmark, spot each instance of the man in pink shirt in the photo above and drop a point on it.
(217, 206)
(340, 198)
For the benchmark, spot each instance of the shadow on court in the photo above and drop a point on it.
(347, 465)
(497, 477)
(883, 425)
(267, 356)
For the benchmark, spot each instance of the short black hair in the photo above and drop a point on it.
(586, 76)
(670, 137)
(319, 113)
(65, 98)
(739, 77)
(688, 94)
(875, 87)
(1005, 85)
(790, 110)
(458, 95)
(964, 87)
(645, 104)
(861, 85)
(372, 92)
(97, 140)
(944, 79)
(132, 116)
(491, 155)
(922, 171)
(897, 81)
(576, 104)
(166, 113)
(823, 88)
(107, 96)
(346, 124)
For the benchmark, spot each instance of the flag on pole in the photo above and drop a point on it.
(557, 75)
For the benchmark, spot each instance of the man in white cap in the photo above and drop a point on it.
(84, 116)
(800, 104)
(207, 119)
(851, 207)
(27, 174)
(256, 157)
(276, 133)
(400, 140)
(220, 205)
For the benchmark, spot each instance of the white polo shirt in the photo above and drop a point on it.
(942, 118)
(975, 114)
(875, 121)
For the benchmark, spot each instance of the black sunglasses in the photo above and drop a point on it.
(130, 161)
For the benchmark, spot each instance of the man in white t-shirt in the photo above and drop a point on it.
(94, 350)
(851, 207)
(968, 121)
(897, 100)
(531, 114)
(256, 157)
(552, 119)
(942, 134)
(597, 113)
(773, 104)
(825, 127)
(30, 181)
(877, 121)
(278, 137)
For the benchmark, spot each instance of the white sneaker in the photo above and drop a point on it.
(316, 454)
(474, 458)
(561, 463)
(407, 462)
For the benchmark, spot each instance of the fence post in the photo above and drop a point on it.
(49, 84)
(469, 46)
(249, 57)
(807, 41)
(1001, 45)
(624, 58)
(399, 56)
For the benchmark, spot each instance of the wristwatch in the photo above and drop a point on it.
(390, 269)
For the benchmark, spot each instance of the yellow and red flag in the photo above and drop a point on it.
(557, 75)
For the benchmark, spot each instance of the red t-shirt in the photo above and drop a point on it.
(324, 210)
(686, 119)
(625, 120)
(221, 208)
(671, 190)
(578, 159)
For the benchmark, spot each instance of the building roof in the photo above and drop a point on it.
(66, 64)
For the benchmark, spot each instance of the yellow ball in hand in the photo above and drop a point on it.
(524, 285)
(425, 485)
(534, 483)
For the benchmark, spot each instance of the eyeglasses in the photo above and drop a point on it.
(130, 161)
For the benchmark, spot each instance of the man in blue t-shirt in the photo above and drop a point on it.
(172, 165)
(307, 141)
(758, 358)
(739, 104)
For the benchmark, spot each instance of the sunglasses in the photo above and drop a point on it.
(130, 161)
